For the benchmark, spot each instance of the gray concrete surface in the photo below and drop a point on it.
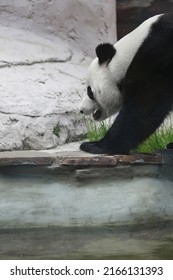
(35, 199)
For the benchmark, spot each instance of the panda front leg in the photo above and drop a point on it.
(120, 138)
(132, 126)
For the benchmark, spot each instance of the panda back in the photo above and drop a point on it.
(128, 46)
(154, 58)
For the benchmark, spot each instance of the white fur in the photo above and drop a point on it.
(103, 79)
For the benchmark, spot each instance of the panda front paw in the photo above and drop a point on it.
(92, 147)
(101, 147)
(170, 146)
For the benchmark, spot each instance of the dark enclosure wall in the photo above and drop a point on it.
(130, 13)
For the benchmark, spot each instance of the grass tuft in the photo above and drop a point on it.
(96, 131)
(157, 141)
(57, 131)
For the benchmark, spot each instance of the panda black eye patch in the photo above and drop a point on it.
(90, 93)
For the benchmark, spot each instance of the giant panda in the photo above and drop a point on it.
(134, 77)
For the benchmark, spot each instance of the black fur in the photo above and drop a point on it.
(147, 90)
(90, 93)
(105, 52)
(170, 146)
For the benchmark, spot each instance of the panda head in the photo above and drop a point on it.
(102, 98)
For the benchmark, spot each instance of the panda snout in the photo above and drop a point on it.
(88, 106)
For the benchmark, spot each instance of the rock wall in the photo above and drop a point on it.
(45, 49)
(83, 23)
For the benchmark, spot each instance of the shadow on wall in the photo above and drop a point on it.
(131, 13)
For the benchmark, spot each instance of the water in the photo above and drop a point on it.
(47, 214)
(88, 243)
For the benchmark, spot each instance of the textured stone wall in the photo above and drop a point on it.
(45, 49)
(82, 22)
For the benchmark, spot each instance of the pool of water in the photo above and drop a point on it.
(88, 243)
(50, 214)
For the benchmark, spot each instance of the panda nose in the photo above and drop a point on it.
(81, 111)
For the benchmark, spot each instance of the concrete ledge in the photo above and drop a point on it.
(25, 158)
(104, 160)
(74, 159)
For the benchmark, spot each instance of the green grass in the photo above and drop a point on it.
(96, 131)
(57, 131)
(157, 141)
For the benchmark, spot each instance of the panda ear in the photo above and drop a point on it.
(105, 52)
